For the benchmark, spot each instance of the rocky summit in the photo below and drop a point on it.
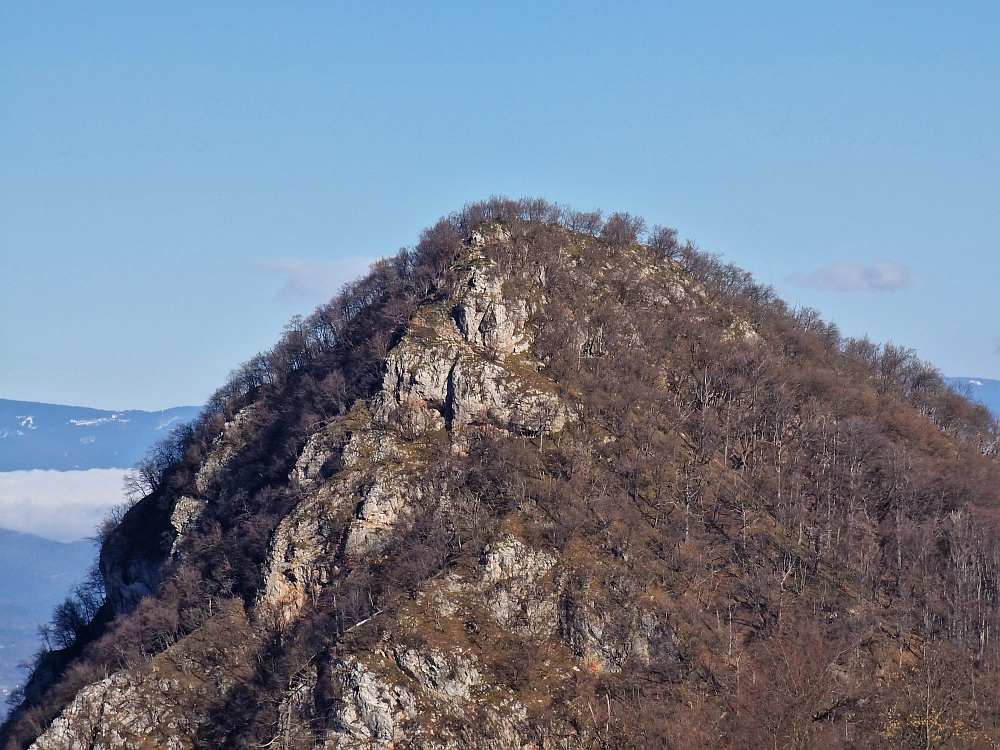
(548, 480)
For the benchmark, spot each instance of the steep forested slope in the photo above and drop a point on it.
(535, 484)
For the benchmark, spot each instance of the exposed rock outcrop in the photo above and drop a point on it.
(160, 704)
(455, 369)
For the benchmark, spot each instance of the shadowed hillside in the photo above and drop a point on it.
(549, 480)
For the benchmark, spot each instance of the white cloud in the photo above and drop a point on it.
(60, 505)
(308, 282)
(845, 276)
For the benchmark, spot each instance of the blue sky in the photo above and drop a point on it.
(180, 178)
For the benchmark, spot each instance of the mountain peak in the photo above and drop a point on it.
(536, 483)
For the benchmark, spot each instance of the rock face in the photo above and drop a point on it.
(453, 371)
(550, 493)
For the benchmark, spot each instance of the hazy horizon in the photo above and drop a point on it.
(64, 506)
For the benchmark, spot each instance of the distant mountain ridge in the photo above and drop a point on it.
(983, 390)
(68, 438)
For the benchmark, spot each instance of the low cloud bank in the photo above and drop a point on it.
(308, 282)
(59, 505)
(845, 276)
